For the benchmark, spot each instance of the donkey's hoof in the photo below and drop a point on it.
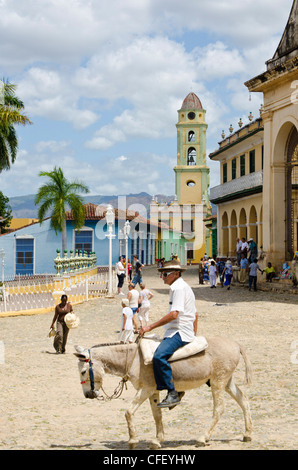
(247, 438)
(201, 443)
(155, 445)
(132, 444)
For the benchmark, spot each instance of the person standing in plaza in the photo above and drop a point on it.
(253, 271)
(243, 269)
(129, 270)
(220, 269)
(228, 273)
(128, 324)
(201, 271)
(212, 274)
(120, 271)
(180, 328)
(62, 330)
(144, 304)
(244, 246)
(253, 250)
(133, 297)
(138, 271)
(238, 250)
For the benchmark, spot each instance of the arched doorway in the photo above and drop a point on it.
(225, 235)
(253, 233)
(233, 233)
(291, 187)
(242, 224)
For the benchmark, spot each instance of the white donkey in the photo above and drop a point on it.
(214, 366)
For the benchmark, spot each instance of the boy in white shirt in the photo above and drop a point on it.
(128, 323)
(212, 274)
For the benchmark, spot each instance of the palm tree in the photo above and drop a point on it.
(55, 195)
(10, 115)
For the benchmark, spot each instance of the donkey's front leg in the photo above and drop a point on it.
(157, 415)
(139, 398)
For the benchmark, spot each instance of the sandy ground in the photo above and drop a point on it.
(42, 405)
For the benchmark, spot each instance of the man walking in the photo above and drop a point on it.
(180, 325)
(138, 271)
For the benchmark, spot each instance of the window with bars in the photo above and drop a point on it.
(83, 240)
(224, 173)
(252, 161)
(234, 168)
(242, 165)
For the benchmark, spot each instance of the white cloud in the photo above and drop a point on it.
(51, 145)
(117, 72)
(50, 94)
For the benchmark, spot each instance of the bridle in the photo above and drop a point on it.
(91, 373)
(119, 389)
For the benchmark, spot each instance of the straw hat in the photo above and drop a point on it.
(52, 332)
(71, 320)
(172, 265)
(125, 302)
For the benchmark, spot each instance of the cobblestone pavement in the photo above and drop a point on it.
(42, 405)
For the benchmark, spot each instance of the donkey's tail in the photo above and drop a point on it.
(248, 366)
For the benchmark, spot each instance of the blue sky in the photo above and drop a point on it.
(102, 82)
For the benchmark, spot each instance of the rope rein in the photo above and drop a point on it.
(123, 382)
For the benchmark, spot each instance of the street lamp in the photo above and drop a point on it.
(126, 231)
(110, 218)
(2, 256)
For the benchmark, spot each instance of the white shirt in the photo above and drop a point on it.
(144, 296)
(127, 311)
(134, 300)
(212, 270)
(182, 299)
(120, 268)
(244, 245)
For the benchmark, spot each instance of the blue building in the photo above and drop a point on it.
(32, 249)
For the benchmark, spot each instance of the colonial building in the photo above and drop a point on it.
(185, 215)
(258, 194)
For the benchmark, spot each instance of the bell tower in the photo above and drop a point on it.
(191, 172)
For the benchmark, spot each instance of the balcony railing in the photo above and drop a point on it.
(245, 183)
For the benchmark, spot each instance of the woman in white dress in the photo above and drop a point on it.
(144, 304)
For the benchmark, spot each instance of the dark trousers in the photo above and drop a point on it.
(161, 368)
(61, 336)
(252, 280)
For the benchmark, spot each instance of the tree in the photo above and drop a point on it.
(55, 196)
(10, 115)
(5, 213)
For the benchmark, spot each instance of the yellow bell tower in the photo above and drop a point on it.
(192, 174)
(192, 177)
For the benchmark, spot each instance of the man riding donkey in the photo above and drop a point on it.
(181, 327)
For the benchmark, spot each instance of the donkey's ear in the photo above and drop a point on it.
(81, 352)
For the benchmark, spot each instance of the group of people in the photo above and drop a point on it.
(248, 249)
(121, 272)
(224, 270)
(136, 305)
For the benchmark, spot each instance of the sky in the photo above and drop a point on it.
(102, 82)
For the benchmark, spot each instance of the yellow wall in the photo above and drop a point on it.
(18, 223)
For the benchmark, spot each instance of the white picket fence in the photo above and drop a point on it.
(39, 291)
